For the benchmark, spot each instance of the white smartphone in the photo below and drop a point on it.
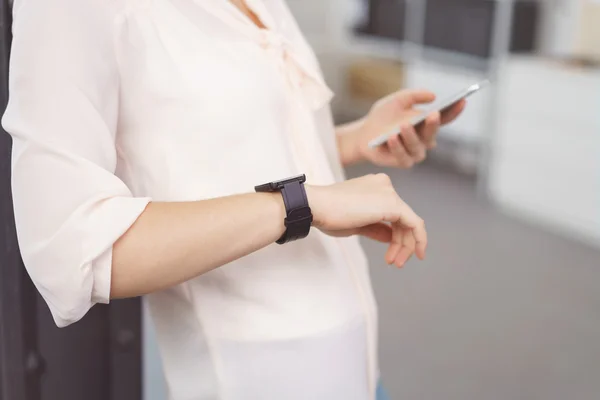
(441, 107)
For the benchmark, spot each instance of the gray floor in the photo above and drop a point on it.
(499, 310)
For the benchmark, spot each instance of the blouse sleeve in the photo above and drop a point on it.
(69, 206)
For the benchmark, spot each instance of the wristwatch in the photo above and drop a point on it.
(298, 214)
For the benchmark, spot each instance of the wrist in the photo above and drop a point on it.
(298, 215)
(276, 210)
(314, 202)
(350, 143)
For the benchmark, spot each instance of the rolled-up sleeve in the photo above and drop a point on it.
(70, 208)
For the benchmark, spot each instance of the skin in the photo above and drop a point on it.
(171, 243)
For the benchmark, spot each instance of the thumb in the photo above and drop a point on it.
(380, 232)
(410, 97)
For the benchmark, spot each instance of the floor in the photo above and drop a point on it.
(499, 310)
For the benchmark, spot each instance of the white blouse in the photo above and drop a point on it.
(114, 103)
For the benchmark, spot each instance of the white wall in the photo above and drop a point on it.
(558, 33)
(545, 165)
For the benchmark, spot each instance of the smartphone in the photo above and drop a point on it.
(441, 107)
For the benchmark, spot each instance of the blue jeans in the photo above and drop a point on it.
(381, 393)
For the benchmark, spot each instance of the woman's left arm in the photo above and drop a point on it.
(395, 110)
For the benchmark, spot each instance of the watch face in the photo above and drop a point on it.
(299, 178)
(278, 185)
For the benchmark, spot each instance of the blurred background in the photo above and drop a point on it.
(507, 305)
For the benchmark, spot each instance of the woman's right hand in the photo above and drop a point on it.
(369, 206)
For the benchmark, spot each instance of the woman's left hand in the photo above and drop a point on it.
(396, 110)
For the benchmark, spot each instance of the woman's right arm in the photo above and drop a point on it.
(83, 236)
(174, 242)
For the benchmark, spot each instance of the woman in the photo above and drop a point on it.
(140, 129)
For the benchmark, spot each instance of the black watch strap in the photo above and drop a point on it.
(299, 216)
(298, 213)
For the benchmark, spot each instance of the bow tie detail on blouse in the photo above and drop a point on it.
(302, 76)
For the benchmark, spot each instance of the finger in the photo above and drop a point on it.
(397, 251)
(420, 245)
(411, 97)
(453, 112)
(412, 143)
(380, 232)
(409, 219)
(392, 252)
(396, 244)
(399, 152)
(407, 250)
(382, 156)
(430, 129)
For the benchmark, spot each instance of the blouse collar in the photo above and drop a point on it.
(301, 75)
